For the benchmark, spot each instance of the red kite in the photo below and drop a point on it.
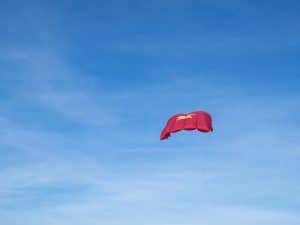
(198, 120)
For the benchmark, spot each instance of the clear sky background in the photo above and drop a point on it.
(87, 86)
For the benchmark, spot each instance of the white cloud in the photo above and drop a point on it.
(49, 83)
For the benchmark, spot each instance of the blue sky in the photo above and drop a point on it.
(86, 87)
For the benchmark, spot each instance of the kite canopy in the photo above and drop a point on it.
(198, 120)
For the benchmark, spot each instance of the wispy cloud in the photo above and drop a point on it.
(50, 84)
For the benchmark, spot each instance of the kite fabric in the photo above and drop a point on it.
(198, 120)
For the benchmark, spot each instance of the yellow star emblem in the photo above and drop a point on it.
(184, 117)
